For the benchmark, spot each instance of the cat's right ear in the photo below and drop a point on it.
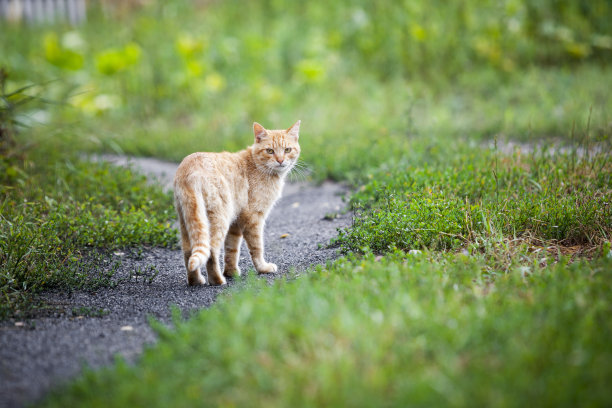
(259, 131)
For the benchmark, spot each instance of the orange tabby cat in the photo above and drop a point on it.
(221, 197)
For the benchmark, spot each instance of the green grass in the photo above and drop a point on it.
(57, 216)
(534, 105)
(61, 214)
(445, 204)
(424, 330)
(378, 122)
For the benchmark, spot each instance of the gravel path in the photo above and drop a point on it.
(90, 328)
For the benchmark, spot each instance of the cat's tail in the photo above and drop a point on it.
(199, 256)
(198, 226)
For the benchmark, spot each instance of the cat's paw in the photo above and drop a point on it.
(267, 267)
(216, 280)
(195, 278)
(232, 272)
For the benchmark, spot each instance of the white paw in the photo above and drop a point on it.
(267, 267)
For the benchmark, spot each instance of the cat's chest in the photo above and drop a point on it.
(262, 196)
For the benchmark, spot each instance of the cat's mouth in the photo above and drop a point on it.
(281, 167)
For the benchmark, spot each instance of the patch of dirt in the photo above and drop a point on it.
(90, 328)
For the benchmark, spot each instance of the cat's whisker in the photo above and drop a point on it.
(295, 177)
(300, 171)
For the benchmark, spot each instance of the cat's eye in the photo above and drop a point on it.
(287, 149)
(270, 151)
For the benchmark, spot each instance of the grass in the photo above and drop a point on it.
(544, 196)
(503, 318)
(402, 330)
(59, 215)
(57, 212)
(535, 105)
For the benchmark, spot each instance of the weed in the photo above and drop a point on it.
(331, 216)
(147, 274)
(86, 311)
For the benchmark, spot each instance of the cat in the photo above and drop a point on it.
(222, 197)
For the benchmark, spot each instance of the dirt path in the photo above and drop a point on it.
(91, 328)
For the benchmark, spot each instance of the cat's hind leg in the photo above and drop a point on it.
(218, 230)
(193, 277)
(232, 251)
(194, 224)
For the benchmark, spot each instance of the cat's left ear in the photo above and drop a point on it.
(294, 130)
(259, 131)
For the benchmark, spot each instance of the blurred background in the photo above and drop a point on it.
(166, 78)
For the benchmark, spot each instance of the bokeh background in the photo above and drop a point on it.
(166, 78)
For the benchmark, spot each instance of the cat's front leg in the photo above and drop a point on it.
(266, 267)
(253, 235)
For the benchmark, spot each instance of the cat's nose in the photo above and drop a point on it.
(280, 160)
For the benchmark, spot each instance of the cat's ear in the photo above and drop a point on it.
(294, 130)
(259, 131)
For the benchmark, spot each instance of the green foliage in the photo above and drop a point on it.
(179, 77)
(547, 196)
(112, 61)
(12, 105)
(402, 331)
(60, 56)
(58, 213)
(533, 105)
(61, 213)
(412, 221)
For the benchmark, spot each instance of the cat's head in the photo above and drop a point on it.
(276, 151)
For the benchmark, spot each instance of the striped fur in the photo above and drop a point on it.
(221, 198)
